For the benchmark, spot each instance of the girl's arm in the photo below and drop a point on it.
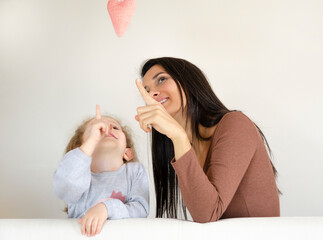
(137, 202)
(73, 176)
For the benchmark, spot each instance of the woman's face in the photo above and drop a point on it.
(160, 85)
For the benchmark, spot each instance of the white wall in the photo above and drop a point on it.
(59, 58)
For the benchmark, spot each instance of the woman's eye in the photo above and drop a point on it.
(115, 128)
(160, 80)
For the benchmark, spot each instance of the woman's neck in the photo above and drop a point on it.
(205, 132)
(185, 123)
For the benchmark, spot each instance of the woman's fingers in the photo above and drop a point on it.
(155, 114)
(145, 95)
(149, 118)
(153, 109)
(98, 112)
(150, 108)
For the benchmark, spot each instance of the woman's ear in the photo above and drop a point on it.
(128, 154)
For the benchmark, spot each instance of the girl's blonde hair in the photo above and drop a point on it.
(77, 139)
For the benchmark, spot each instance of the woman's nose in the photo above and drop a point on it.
(154, 94)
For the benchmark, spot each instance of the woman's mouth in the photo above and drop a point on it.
(162, 101)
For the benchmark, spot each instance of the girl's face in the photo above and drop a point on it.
(114, 138)
(162, 87)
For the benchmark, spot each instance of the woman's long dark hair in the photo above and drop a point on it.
(203, 107)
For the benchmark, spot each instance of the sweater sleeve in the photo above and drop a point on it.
(207, 195)
(73, 176)
(137, 202)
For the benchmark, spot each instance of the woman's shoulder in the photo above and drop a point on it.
(233, 116)
(235, 122)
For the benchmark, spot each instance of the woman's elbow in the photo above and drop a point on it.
(205, 220)
(206, 217)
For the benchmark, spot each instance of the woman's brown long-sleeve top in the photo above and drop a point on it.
(237, 179)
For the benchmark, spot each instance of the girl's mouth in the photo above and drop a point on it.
(110, 135)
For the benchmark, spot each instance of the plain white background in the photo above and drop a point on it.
(60, 58)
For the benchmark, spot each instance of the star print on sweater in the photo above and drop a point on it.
(118, 195)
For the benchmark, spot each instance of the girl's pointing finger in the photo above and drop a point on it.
(98, 112)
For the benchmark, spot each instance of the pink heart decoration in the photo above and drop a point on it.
(120, 12)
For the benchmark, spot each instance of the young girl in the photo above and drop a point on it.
(93, 179)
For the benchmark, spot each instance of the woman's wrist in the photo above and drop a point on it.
(181, 144)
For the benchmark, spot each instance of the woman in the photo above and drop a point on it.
(216, 157)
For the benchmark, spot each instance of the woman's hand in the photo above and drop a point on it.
(155, 114)
(92, 221)
(94, 132)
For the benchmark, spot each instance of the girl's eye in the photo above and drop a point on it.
(115, 128)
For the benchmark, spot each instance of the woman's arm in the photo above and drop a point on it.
(207, 195)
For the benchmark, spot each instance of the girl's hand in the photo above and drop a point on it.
(96, 128)
(92, 221)
(94, 132)
(155, 114)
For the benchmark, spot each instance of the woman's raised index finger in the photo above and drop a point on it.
(98, 112)
(145, 95)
